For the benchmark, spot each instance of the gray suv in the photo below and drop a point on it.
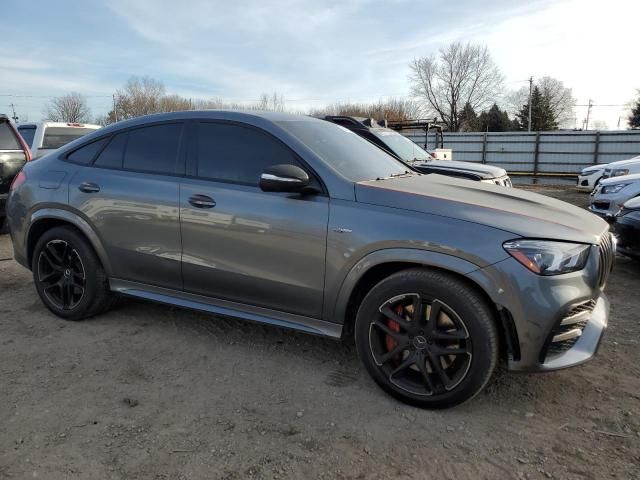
(300, 223)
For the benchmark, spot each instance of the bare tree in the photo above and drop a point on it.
(391, 109)
(560, 99)
(140, 96)
(458, 75)
(71, 108)
(273, 102)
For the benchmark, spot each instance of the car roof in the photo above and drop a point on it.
(60, 124)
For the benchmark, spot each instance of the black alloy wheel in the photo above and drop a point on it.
(421, 344)
(61, 274)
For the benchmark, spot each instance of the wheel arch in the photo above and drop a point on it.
(378, 265)
(48, 218)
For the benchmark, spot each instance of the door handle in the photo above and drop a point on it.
(89, 187)
(202, 201)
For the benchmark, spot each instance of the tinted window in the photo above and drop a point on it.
(8, 140)
(27, 134)
(238, 154)
(153, 149)
(56, 137)
(402, 146)
(111, 156)
(86, 154)
(351, 156)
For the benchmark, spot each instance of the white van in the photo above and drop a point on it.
(44, 137)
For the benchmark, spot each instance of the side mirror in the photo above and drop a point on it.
(284, 178)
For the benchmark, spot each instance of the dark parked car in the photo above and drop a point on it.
(14, 153)
(297, 222)
(627, 228)
(415, 156)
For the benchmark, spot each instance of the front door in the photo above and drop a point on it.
(240, 243)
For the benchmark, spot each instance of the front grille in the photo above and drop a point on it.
(607, 251)
(601, 205)
(568, 331)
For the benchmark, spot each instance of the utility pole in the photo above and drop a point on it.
(15, 117)
(588, 114)
(530, 89)
(115, 108)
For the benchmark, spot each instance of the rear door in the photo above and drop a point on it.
(129, 193)
(243, 244)
(12, 159)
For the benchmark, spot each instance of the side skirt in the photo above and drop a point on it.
(227, 308)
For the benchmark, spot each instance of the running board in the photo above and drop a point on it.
(227, 308)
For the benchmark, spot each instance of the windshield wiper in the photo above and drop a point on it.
(395, 175)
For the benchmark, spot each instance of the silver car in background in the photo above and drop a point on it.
(611, 194)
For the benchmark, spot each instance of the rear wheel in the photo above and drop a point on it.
(427, 338)
(68, 275)
(4, 225)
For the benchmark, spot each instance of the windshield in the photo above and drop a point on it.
(344, 151)
(402, 146)
(56, 137)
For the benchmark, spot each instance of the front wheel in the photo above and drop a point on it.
(427, 338)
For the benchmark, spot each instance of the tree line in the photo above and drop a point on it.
(460, 85)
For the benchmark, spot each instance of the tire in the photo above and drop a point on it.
(68, 275)
(4, 225)
(406, 358)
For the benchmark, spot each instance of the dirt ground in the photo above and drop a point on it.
(154, 392)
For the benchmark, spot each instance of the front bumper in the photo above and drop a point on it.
(550, 322)
(606, 206)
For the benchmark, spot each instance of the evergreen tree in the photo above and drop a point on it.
(634, 118)
(542, 116)
(494, 120)
(468, 119)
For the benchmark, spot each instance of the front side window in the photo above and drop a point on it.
(154, 149)
(234, 153)
(27, 134)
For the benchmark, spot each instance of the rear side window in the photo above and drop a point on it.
(86, 154)
(153, 149)
(238, 154)
(56, 137)
(111, 156)
(27, 134)
(8, 140)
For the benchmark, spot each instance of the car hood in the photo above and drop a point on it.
(622, 163)
(485, 171)
(621, 179)
(517, 211)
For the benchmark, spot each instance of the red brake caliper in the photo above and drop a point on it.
(389, 340)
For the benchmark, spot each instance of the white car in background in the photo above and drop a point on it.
(622, 167)
(590, 177)
(611, 193)
(44, 137)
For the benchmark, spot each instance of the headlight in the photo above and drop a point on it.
(587, 173)
(547, 257)
(619, 172)
(613, 188)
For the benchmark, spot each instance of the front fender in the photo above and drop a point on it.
(75, 220)
(338, 308)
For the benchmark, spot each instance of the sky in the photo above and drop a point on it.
(312, 52)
